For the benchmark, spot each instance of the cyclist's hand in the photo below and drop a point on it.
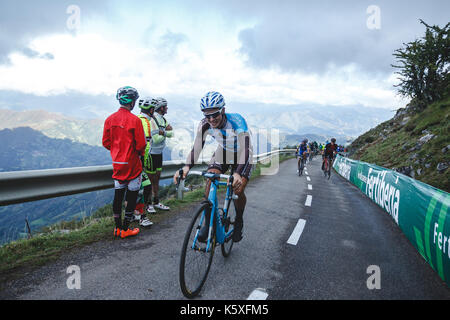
(169, 127)
(177, 174)
(237, 183)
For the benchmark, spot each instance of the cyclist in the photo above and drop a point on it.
(160, 132)
(235, 150)
(329, 152)
(147, 106)
(124, 137)
(301, 149)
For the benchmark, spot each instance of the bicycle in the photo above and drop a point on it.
(327, 167)
(196, 257)
(301, 164)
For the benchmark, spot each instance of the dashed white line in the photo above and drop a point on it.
(309, 186)
(308, 178)
(258, 294)
(308, 200)
(295, 236)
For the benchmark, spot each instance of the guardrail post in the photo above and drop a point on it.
(180, 190)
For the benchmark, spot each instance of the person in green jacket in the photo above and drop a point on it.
(161, 130)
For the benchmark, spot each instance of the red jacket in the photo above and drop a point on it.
(124, 137)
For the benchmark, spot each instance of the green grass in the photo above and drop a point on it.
(52, 241)
(396, 149)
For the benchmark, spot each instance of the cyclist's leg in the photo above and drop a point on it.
(213, 167)
(239, 205)
(119, 194)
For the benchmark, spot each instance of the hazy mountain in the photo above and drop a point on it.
(319, 122)
(27, 149)
(54, 125)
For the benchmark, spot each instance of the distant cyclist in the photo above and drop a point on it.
(302, 149)
(329, 152)
(235, 150)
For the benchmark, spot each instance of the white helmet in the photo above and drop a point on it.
(161, 102)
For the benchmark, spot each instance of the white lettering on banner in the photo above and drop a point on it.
(385, 195)
(344, 169)
(362, 177)
(442, 240)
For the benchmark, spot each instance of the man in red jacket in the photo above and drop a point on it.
(124, 137)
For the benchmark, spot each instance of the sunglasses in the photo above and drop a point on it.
(212, 115)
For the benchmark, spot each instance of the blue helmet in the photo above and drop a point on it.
(212, 100)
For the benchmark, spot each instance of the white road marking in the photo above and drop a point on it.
(306, 172)
(258, 294)
(308, 200)
(309, 187)
(295, 236)
(308, 178)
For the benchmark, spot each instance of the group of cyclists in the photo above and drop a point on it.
(131, 139)
(306, 151)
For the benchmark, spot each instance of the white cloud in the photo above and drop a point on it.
(99, 63)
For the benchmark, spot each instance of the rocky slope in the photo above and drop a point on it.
(414, 142)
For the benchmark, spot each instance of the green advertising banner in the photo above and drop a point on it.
(420, 210)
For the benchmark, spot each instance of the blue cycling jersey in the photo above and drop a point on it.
(301, 149)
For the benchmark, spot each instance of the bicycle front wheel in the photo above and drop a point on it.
(195, 261)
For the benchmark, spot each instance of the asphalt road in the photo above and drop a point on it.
(344, 235)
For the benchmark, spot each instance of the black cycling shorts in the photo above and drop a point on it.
(156, 161)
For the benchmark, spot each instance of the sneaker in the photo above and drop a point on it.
(116, 232)
(151, 209)
(137, 217)
(129, 232)
(161, 206)
(145, 222)
(237, 233)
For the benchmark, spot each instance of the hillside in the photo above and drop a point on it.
(415, 143)
(28, 149)
(54, 125)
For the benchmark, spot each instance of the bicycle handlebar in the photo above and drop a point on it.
(209, 174)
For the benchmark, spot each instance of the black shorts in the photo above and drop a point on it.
(156, 161)
(223, 167)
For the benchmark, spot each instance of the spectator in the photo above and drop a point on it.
(162, 131)
(124, 137)
(147, 106)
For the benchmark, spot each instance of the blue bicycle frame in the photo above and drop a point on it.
(221, 235)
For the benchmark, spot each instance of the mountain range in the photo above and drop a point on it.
(314, 122)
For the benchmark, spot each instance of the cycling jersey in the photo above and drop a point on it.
(124, 137)
(302, 148)
(159, 141)
(330, 149)
(234, 148)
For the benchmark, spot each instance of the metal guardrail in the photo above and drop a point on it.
(31, 185)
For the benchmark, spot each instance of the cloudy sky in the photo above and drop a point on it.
(71, 56)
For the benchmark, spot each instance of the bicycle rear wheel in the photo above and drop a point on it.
(195, 262)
